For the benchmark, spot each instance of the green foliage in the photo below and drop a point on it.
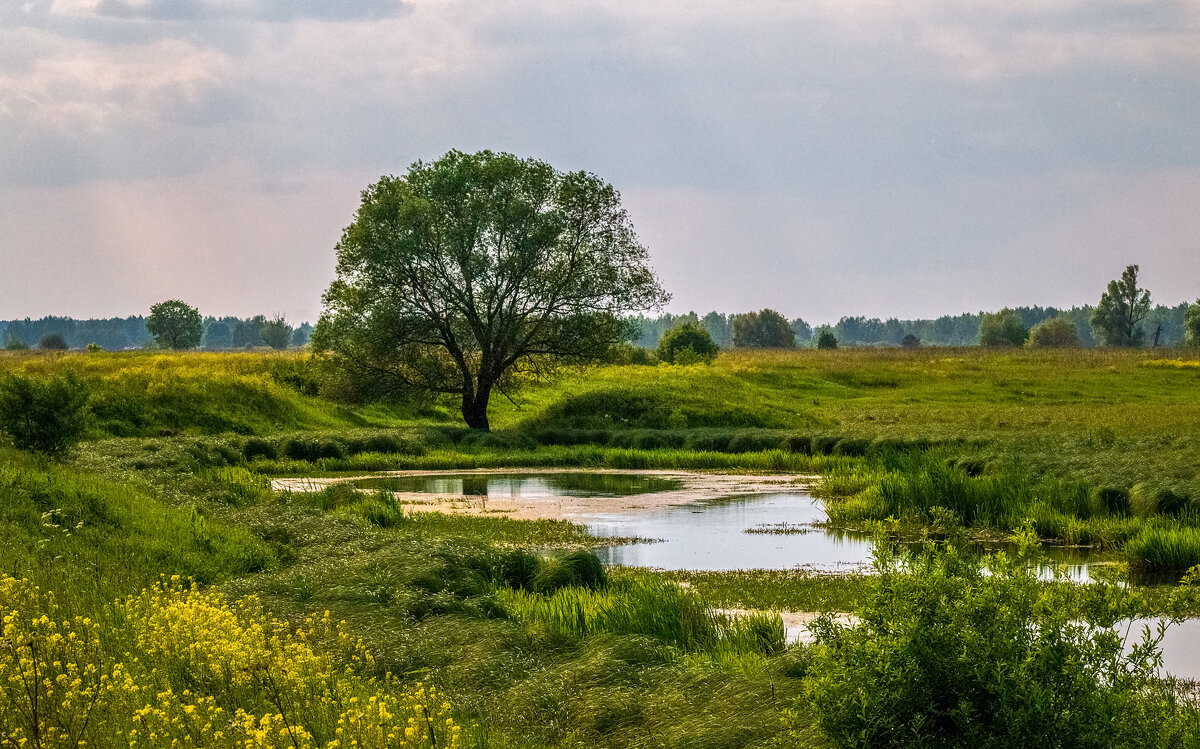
(1003, 328)
(1117, 319)
(1191, 324)
(910, 341)
(1164, 549)
(562, 239)
(1057, 332)
(763, 329)
(175, 325)
(276, 333)
(15, 344)
(687, 343)
(53, 342)
(43, 414)
(826, 340)
(576, 569)
(94, 348)
(946, 654)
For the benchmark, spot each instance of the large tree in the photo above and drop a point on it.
(466, 270)
(1117, 319)
(175, 325)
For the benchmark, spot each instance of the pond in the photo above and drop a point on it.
(525, 486)
(772, 531)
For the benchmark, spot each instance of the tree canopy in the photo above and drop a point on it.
(1117, 319)
(471, 268)
(276, 333)
(764, 329)
(1191, 324)
(175, 325)
(1057, 332)
(687, 343)
(1003, 328)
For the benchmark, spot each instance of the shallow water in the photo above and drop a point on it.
(712, 535)
(525, 486)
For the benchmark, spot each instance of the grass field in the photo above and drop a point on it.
(1091, 446)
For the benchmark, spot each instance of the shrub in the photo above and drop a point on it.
(1003, 328)
(687, 343)
(94, 348)
(826, 340)
(1110, 500)
(1191, 324)
(764, 329)
(53, 342)
(824, 445)
(713, 442)
(796, 443)
(1057, 332)
(257, 447)
(15, 344)
(947, 654)
(1146, 500)
(578, 569)
(752, 442)
(518, 568)
(910, 341)
(43, 414)
(852, 447)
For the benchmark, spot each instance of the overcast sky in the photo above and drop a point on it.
(821, 157)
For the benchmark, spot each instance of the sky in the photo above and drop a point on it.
(819, 157)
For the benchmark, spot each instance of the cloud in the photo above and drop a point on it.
(899, 140)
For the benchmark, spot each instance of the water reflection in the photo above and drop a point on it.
(712, 536)
(525, 486)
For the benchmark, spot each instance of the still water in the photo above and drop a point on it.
(713, 535)
(525, 486)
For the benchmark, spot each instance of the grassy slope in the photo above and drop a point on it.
(1110, 416)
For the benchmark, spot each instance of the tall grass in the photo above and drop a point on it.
(644, 604)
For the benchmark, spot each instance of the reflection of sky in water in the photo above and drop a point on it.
(711, 536)
(523, 486)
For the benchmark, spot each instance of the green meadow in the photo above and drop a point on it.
(514, 624)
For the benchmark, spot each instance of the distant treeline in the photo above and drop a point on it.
(948, 330)
(121, 333)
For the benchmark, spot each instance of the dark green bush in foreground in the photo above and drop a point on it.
(947, 654)
(43, 414)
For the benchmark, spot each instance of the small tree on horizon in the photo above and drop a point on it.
(827, 340)
(1191, 324)
(910, 341)
(276, 333)
(763, 329)
(175, 325)
(53, 342)
(1003, 328)
(688, 337)
(1056, 332)
(1117, 319)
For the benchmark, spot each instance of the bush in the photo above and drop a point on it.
(15, 344)
(687, 343)
(752, 442)
(910, 341)
(823, 445)
(1145, 500)
(44, 414)
(826, 340)
(1003, 328)
(53, 342)
(1191, 324)
(1110, 500)
(764, 329)
(947, 654)
(579, 569)
(1058, 332)
(257, 447)
(94, 348)
(795, 443)
(518, 568)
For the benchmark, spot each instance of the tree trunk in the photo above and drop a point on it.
(475, 406)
